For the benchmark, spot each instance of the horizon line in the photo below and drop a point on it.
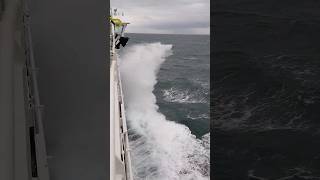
(167, 33)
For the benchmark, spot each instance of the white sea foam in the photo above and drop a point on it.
(190, 58)
(201, 116)
(183, 96)
(161, 149)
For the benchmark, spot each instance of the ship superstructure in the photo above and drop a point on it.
(120, 162)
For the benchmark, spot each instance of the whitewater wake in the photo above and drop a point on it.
(160, 149)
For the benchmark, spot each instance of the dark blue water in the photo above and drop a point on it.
(266, 89)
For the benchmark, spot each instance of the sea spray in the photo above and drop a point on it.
(160, 149)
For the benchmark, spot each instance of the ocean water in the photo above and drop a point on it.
(166, 92)
(266, 73)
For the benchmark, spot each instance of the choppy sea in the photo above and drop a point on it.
(166, 92)
(266, 89)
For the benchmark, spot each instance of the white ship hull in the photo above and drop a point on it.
(120, 162)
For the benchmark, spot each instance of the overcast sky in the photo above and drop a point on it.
(166, 16)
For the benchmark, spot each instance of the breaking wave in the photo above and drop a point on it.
(160, 149)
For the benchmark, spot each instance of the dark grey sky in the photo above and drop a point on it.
(166, 16)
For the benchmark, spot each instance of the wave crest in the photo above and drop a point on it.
(161, 149)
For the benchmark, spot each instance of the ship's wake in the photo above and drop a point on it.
(160, 149)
